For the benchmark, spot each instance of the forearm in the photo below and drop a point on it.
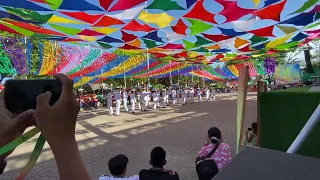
(69, 162)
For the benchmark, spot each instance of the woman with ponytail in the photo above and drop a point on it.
(222, 155)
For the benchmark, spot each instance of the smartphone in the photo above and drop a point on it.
(21, 95)
(249, 129)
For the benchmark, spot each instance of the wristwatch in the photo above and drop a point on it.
(3, 166)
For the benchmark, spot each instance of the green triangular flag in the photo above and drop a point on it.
(67, 30)
(306, 6)
(313, 25)
(198, 26)
(29, 15)
(201, 49)
(165, 5)
(287, 46)
(202, 41)
(54, 4)
(257, 39)
(105, 45)
(188, 45)
(149, 43)
(231, 55)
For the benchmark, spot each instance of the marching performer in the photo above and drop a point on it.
(213, 94)
(139, 99)
(163, 95)
(132, 100)
(155, 99)
(145, 99)
(199, 95)
(191, 95)
(109, 101)
(125, 99)
(184, 95)
(117, 96)
(178, 95)
(174, 97)
(158, 96)
(207, 94)
(167, 96)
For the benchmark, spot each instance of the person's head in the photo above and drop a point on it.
(158, 157)
(254, 127)
(207, 169)
(214, 135)
(118, 165)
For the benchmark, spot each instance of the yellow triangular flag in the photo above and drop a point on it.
(278, 41)
(162, 19)
(105, 30)
(58, 19)
(287, 29)
(88, 38)
(193, 54)
(256, 2)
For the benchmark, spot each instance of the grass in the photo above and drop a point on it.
(300, 89)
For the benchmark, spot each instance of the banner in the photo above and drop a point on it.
(288, 73)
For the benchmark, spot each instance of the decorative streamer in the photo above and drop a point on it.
(40, 57)
(51, 53)
(29, 55)
(94, 54)
(76, 58)
(5, 62)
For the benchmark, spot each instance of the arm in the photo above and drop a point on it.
(68, 160)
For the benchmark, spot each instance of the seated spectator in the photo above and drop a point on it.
(118, 167)
(222, 155)
(157, 172)
(251, 135)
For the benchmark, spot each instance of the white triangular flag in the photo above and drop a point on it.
(128, 14)
(244, 25)
(172, 36)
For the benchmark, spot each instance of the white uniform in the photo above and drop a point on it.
(208, 94)
(167, 96)
(125, 100)
(155, 100)
(109, 102)
(145, 99)
(117, 96)
(164, 100)
(174, 97)
(184, 96)
(139, 99)
(213, 94)
(132, 101)
(158, 96)
(178, 96)
(192, 95)
(199, 95)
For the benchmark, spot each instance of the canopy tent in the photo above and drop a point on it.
(139, 38)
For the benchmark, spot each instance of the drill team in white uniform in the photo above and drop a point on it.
(158, 97)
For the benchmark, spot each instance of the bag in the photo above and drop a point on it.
(208, 157)
(206, 167)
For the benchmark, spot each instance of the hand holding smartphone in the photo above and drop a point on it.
(20, 95)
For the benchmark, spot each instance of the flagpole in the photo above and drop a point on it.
(170, 75)
(125, 80)
(148, 56)
(101, 76)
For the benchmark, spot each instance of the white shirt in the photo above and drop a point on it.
(155, 96)
(191, 92)
(105, 177)
(125, 95)
(145, 95)
(109, 95)
(167, 93)
(173, 93)
(184, 93)
(208, 92)
(132, 96)
(199, 92)
(117, 95)
(158, 94)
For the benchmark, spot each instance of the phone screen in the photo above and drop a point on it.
(21, 95)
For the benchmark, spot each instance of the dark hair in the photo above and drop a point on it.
(214, 134)
(158, 157)
(118, 164)
(207, 170)
(254, 127)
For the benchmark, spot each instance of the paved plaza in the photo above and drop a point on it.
(181, 131)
